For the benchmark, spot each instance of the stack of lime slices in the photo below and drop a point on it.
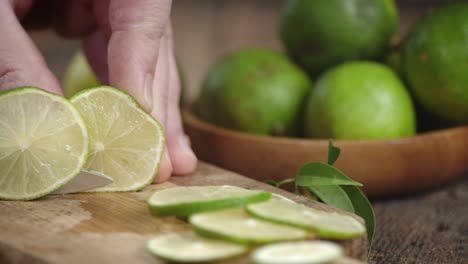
(228, 219)
(45, 141)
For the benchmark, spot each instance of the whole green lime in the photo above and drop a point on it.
(435, 62)
(359, 100)
(78, 75)
(254, 90)
(319, 34)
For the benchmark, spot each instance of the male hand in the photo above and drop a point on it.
(128, 44)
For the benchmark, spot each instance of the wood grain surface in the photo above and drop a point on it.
(431, 227)
(111, 227)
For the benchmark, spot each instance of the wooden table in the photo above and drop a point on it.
(430, 227)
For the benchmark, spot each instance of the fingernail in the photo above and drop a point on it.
(184, 142)
(148, 93)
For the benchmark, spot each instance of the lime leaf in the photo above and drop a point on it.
(334, 196)
(318, 174)
(363, 208)
(333, 153)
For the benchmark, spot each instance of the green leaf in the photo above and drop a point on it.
(286, 181)
(279, 183)
(272, 183)
(363, 208)
(333, 152)
(334, 196)
(319, 174)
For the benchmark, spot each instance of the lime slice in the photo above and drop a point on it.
(325, 224)
(301, 252)
(43, 143)
(184, 201)
(188, 247)
(126, 142)
(237, 226)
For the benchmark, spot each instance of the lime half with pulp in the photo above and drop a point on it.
(126, 143)
(43, 143)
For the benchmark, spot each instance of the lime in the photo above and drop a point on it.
(298, 252)
(126, 143)
(43, 143)
(237, 226)
(325, 224)
(184, 201)
(78, 75)
(359, 100)
(319, 34)
(187, 247)
(435, 62)
(256, 91)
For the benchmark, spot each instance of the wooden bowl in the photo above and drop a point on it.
(385, 167)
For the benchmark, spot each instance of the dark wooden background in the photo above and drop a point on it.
(429, 227)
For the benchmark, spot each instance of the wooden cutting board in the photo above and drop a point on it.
(110, 227)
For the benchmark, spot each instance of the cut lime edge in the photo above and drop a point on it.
(323, 233)
(243, 250)
(202, 231)
(86, 92)
(236, 239)
(80, 122)
(188, 208)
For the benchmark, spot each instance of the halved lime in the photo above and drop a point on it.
(126, 142)
(325, 224)
(184, 201)
(188, 247)
(237, 226)
(299, 252)
(43, 143)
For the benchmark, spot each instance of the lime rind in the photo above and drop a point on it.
(237, 226)
(331, 225)
(299, 252)
(79, 121)
(161, 143)
(159, 207)
(188, 247)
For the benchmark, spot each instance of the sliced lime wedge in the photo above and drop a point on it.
(43, 143)
(184, 201)
(237, 226)
(325, 224)
(301, 252)
(126, 143)
(188, 247)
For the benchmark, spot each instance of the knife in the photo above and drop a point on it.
(85, 181)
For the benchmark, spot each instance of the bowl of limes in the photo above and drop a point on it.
(398, 112)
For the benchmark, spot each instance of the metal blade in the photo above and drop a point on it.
(86, 180)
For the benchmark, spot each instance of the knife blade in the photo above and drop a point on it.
(86, 180)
